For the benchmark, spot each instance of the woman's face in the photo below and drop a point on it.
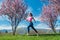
(29, 14)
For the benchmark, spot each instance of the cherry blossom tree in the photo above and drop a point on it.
(15, 10)
(50, 13)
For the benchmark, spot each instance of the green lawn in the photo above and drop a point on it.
(24, 37)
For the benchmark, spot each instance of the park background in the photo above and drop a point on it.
(36, 9)
(45, 32)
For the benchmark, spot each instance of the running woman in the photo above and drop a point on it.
(29, 19)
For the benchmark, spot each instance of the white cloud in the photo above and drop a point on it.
(37, 18)
(42, 26)
(5, 27)
(22, 25)
(39, 26)
(8, 27)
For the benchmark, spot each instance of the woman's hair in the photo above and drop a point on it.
(31, 14)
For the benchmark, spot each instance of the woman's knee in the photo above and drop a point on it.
(28, 27)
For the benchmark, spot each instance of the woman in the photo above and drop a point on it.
(29, 19)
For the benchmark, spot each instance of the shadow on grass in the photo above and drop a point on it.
(46, 35)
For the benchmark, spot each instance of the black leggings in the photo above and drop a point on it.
(31, 25)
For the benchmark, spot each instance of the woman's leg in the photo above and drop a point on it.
(28, 29)
(34, 29)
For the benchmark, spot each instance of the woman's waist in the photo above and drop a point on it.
(31, 22)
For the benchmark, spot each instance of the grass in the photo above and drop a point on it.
(31, 37)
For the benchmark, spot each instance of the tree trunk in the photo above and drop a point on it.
(14, 31)
(14, 25)
(52, 26)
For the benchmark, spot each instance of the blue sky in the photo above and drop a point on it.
(34, 6)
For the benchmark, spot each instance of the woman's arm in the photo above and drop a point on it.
(33, 19)
(25, 18)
